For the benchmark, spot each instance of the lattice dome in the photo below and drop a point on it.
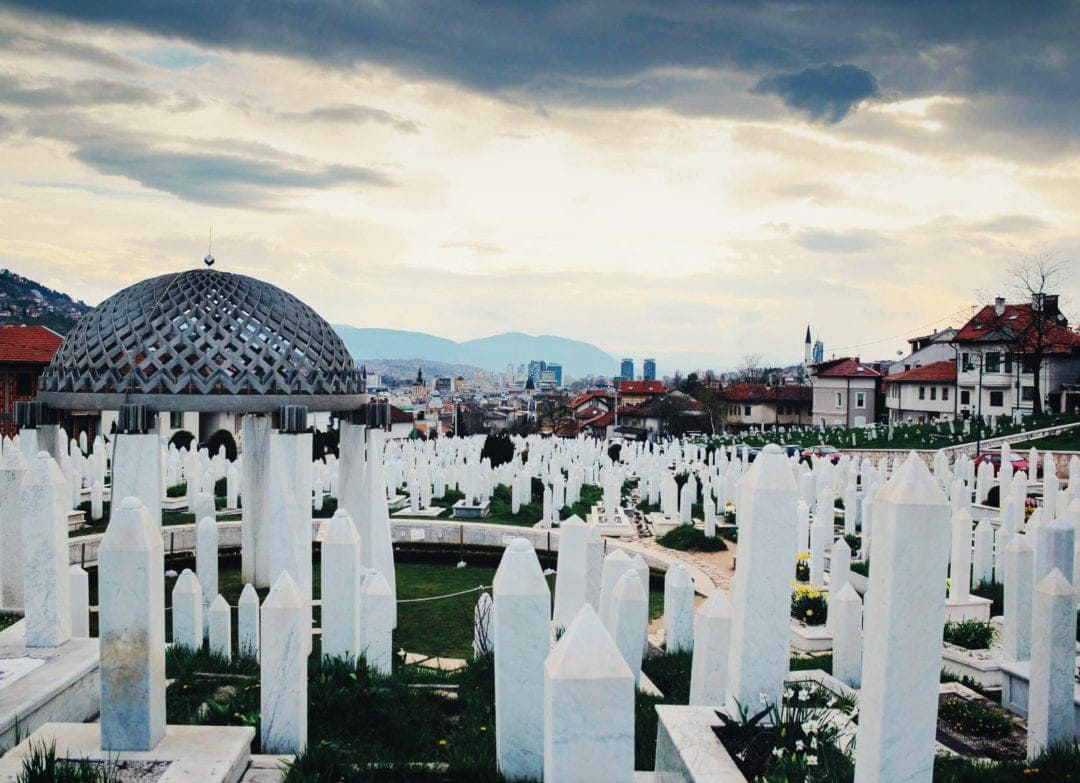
(202, 340)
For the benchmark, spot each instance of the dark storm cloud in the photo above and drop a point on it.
(351, 112)
(678, 53)
(827, 93)
(213, 173)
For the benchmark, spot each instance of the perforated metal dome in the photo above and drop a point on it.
(202, 340)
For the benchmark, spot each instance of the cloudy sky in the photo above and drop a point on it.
(691, 181)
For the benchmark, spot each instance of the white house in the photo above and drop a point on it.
(923, 394)
(936, 347)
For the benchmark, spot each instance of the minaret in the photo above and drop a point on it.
(807, 348)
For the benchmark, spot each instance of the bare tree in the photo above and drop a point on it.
(1036, 279)
(751, 369)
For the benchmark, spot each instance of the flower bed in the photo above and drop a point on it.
(809, 605)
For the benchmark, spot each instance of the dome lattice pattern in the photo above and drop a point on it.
(201, 332)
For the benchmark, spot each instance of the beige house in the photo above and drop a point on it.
(922, 394)
(845, 393)
(749, 405)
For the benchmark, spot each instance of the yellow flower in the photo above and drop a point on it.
(442, 743)
(802, 556)
(809, 612)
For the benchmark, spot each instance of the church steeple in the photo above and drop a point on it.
(419, 376)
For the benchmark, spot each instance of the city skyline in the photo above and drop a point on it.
(532, 170)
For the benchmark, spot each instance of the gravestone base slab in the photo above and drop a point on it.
(970, 608)
(196, 754)
(1015, 682)
(982, 666)
(622, 527)
(431, 512)
(810, 638)
(463, 510)
(43, 684)
(687, 751)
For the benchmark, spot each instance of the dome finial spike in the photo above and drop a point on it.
(209, 260)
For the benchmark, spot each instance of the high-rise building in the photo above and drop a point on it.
(648, 370)
(556, 368)
(536, 367)
(626, 370)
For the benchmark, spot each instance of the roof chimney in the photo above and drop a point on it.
(999, 306)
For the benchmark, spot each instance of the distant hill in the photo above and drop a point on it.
(402, 371)
(25, 301)
(493, 353)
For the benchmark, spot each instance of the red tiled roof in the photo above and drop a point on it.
(603, 420)
(398, 416)
(641, 387)
(584, 397)
(758, 392)
(33, 344)
(846, 368)
(937, 372)
(1016, 324)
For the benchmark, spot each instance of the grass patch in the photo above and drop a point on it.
(687, 538)
(975, 718)
(969, 634)
(801, 663)
(1058, 764)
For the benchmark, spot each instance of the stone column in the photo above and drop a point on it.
(254, 489)
(1053, 659)
(341, 579)
(615, 565)
(820, 535)
(983, 558)
(521, 631)
(1054, 544)
(905, 616)
(845, 610)
(761, 589)
(136, 471)
(594, 562)
(839, 573)
(206, 564)
(960, 556)
(288, 509)
(187, 612)
(352, 475)
(131, 597)
(247, 627)
(12, 471)
(377, 622)
(80, 602)
(47, 597)
(588, 707)
(283, 700)
(220, 628)
(571, 572)
(630, 620)
(678, 609)
(712, 642)
(1019, 571)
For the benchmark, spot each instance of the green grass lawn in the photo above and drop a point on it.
(1066, 441)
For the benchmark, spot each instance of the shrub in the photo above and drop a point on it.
(809, 605)
(802, 567)
(995, 591)
(176, 490)
(219, 439)
(975, 719)
(182, 439)
(687, 538)
(969, 634)
(498, 448)
(854, 542)
(861, 567)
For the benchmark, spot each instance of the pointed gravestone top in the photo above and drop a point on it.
(678, 576)
(187, 584)
(130, 529)
(376, 584)
(13, 460)
(629, 588)
(248, 595)
(1055, 583)
(618, 555)
(840, 545)
(572, 521)
(285, 594)
(770, 471)
(846, 594)
(519, 571)
(912, 483)
(1019, 543)
(220, 604)
(715, 606)
(586, 652)
(341, 529)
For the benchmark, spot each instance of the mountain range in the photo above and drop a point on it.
(578, 358)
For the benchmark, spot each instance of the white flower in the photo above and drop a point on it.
(778, 752)
(811, 761)
(804, 695)
(813, 743)
(788, 693)
(763, 698)
(832, 702)
(800, 746)
(808, 727)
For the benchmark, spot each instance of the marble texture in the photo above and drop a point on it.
(288, 508)
(131, 596)
(630, 620)
(220, 627)
(379, 554)
(960, 556)
(377, 622)
(247, 625)
(687, 751)
(254, 467)
(846, 612)
(712, 644)
(1019, 584)
(521, 632)
(12, 470)
(571, 571)
(283, 698)
(839, 574)
(761, 589)
(588, 707)
(341, 578)
(1050, 715)
(79, 586)
(616, 563)
(982, 561)
(136, 471)
(188, 630)
(678, 609)
(482, 616)
(47, 597)
(206, 561)
(905, 614)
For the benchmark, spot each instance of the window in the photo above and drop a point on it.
(1027, 365)
(933, 392)
(24, 384)
(839, 400)
(965, 398)
(860, 399)
(1008, 362)
(176, 420)
(922, 392)
(945, 393)
(992, 362)
(1027, 393)
(997, 399)
(965, 362)
(746, 410)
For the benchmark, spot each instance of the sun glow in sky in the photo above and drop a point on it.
(691, 182)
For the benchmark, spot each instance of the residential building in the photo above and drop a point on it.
(443, 384)
(24, 353)
(922, 394)
(997, 350)
(637, 392)
(757, 405)
(626, 370)
(548, 380)
(648, 370)
(845, 393)
(926, 350)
